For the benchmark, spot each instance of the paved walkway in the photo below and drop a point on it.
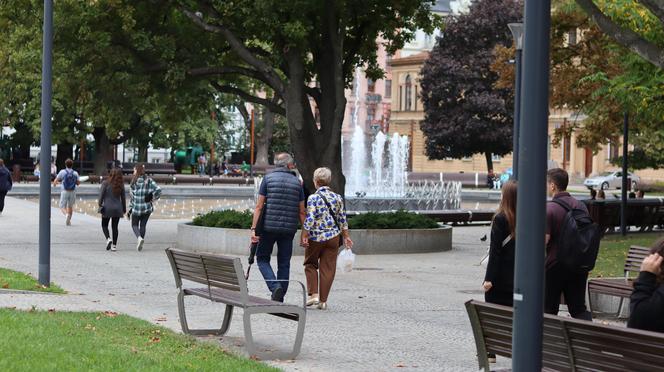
(394, 312)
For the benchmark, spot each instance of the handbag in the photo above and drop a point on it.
(329, 209)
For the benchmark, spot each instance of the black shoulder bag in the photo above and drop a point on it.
(329, 209)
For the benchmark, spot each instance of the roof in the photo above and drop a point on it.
(441, 6)
(415, 59)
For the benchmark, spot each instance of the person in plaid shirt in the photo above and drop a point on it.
(143, 191)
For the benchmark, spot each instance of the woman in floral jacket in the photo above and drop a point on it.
(324, 225)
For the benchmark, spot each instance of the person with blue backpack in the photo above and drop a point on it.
(572, 243)
(70, 180)
(5, 184)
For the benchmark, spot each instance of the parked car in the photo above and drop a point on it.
(610, 180)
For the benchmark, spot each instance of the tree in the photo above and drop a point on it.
(637, 25)
(289, 45)
(599, 81)
(106, 71)
(465, 113)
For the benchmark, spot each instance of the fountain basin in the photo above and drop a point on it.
(236, 241)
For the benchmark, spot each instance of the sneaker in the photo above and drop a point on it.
(278, 294)
(109, 242)
(113, 248)
(313, 300)
(139, 244)
(322, 306)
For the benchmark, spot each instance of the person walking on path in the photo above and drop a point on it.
(324, 225)
(647, 300)
(558, 278)
(201, 165)
(143, 191)
(70, 180)
(282, 197)
(112, 205)
(5, 184)
(499, 278)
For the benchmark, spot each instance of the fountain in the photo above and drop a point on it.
(384, 184)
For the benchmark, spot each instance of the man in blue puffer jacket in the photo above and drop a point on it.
(282, 196)
(5, 184)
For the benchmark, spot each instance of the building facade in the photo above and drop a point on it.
(407, 111)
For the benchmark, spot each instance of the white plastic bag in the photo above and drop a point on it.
(346, 260)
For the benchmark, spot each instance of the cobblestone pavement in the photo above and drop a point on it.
(393, 312)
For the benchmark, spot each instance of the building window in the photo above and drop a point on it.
(571, 38)
(388, 88)
(567, 149)
(409, 93)
(371, 85)
(496, 158)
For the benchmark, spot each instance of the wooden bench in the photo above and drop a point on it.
(619, 287)
(224, 282)
(568, 344)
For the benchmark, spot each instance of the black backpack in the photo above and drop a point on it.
(577, 240)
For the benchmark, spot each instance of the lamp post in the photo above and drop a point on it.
(45, 152)
(517, 34)
(531, 203)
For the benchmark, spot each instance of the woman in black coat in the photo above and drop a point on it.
(499, 279)
(647, 300)
(5, 184)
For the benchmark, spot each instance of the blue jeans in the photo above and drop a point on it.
(264, 253)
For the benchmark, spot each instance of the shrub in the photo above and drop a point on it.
(229, 219)
(654, 187)
(392, 220)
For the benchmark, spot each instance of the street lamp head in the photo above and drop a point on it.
(517, 33)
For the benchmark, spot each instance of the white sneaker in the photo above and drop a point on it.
(109, 242)
(113, 248)
(139, 244)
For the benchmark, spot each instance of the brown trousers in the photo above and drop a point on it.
(321, 257)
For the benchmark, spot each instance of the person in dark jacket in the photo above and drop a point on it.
(5, 184)
(282, 196)
(499, 278)
(647, 300)
(113, 206)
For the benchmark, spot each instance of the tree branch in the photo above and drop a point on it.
(222, 70)
(242, 51)
(277, 109)
(626, 37)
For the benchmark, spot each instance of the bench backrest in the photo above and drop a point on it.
(492, 328)
(569, 344)
(214, 271)
(635, 257)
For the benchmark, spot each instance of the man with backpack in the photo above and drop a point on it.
(572, 243)
(70, 180)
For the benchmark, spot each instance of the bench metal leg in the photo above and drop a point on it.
(249, 339)
(228, 315)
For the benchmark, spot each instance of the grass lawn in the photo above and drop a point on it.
(73, 341)
(613, 251)
(10, 279)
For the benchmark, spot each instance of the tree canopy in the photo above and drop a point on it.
(305, 52)
(465, 113)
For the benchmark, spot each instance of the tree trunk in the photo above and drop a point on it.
(103, 150)
(264, 139)
(65, 151)
(489, 161)
(143, 152)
